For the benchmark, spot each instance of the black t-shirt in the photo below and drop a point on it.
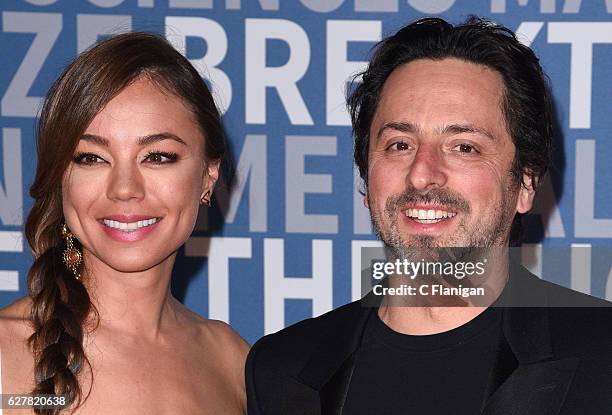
(445, 373)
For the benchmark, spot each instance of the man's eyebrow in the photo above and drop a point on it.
(451, 129)
(404, 127)
(142, 141)
(466, 128)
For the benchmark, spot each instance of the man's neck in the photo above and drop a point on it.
(422, 315)
(427, 320)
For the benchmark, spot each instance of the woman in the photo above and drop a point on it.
(129, 145)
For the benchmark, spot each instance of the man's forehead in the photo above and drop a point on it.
(445, 96)
(426, 67)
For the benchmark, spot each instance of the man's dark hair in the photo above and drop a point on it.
(526, 101)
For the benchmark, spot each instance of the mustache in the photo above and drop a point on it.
(435, 196)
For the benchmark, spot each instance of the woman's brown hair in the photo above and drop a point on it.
(61, 305)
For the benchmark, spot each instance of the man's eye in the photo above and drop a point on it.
(399, 146)
(161, 157)
(86, 158)
(466, 148)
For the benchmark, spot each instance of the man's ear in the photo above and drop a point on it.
(210, 176)
(524, 202)
(365, 200)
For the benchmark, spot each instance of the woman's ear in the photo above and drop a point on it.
(524, 202)
(209, 178)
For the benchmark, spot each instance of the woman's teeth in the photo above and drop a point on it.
(131, 226)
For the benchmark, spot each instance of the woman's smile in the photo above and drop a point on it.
(129, 228)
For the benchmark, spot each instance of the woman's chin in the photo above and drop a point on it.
(134, 262)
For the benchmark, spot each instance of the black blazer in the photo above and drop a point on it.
(550, 360)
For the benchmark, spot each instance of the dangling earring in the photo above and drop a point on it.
(72, 256)
(205, 200)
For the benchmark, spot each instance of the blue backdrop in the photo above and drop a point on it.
(282, 242)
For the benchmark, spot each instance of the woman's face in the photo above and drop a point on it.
(131, 194)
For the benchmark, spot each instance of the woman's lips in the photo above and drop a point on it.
(134, 230)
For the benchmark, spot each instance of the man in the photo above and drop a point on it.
(453, 130)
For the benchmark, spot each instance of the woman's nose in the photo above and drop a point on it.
(126, 182)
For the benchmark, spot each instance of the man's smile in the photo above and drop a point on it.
(428, 216)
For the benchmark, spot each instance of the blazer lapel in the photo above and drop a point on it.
(505, 364)
(526, 379)
(330, 367)
(333, 393)
(534, 389)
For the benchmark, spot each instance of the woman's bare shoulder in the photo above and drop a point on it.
(18, 309)
(227, 335)
(218, 333)
(15, 321)
(229, 352)
(17, 360)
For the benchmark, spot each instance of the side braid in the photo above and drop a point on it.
(60, 307)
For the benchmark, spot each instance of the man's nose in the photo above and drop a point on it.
(427, 170)
(126, 182)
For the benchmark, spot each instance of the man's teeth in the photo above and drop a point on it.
(132, 226)
(429, 215)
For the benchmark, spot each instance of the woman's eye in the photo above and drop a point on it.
(399, 146)
(86, 158)
(160, 157)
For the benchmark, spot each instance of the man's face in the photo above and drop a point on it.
(440, 158)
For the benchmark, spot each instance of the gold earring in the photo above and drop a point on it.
(72, 256)
(205, 200)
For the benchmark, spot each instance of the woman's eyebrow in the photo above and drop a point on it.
(95, 139)
(142, 141)
(153, 138)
